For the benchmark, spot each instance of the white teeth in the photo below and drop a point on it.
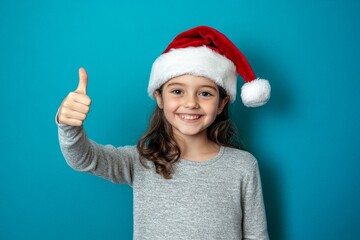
(188, 117)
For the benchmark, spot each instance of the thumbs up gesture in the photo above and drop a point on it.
(76, 105)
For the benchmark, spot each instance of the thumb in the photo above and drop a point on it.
(83, 81)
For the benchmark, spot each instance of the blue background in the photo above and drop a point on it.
(306, 138)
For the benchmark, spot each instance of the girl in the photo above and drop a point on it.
(189, 181)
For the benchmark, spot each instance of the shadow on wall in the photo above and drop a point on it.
(246, 120)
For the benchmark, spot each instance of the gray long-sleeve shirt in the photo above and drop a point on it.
(217, 199)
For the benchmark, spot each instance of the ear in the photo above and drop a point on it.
(158, 98)
(222, 104)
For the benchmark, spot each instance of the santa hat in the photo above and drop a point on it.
(204, 51)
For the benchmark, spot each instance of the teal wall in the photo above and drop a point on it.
(306, 138)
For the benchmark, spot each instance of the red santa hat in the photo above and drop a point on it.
(204, 51)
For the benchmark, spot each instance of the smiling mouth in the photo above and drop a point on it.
(189, 117)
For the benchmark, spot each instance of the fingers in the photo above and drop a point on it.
(80, 98)
(83, 81)
(70, 121)
(68, 114)
(74, 109)
(78, 106)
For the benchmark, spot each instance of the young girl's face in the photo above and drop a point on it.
(190, 104)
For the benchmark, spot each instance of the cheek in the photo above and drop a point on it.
(170, 106)
(170, 109)
(170, 103)
(212, 109)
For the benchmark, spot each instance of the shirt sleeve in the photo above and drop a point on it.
(85, 155)
(254, 216)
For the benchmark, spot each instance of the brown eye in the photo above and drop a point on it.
(176, 91)
(205, 94)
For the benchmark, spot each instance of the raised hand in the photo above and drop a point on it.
(76, 105)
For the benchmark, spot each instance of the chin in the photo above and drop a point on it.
(190, 133)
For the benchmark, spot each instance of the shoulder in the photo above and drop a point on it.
(132, 153)
(126, 152)
(130, 150)
(238, 155)
(239, 159)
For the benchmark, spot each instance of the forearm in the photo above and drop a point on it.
(76, 148)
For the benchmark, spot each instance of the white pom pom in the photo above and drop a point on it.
(255, 93)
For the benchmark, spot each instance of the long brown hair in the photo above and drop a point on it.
(159, 146)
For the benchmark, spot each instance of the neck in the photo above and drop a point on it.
(197, 148)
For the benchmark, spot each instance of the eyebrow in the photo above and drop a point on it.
(182, 84)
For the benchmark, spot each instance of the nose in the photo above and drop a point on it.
(191, 102)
